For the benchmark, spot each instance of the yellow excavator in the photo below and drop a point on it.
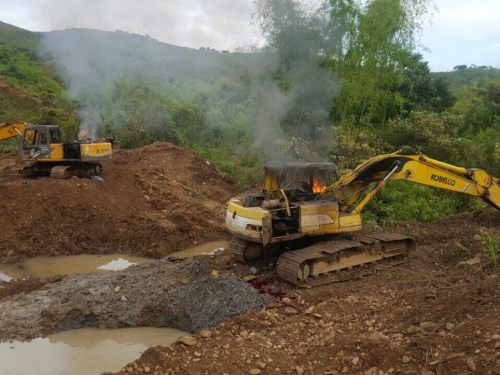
(45, 154)
(302, 201)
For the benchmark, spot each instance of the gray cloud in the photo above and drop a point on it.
(463, 32)
(221, 24)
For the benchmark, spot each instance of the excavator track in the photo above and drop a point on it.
(244, 251)
(333, 261)
(237, 247)
(65, 172)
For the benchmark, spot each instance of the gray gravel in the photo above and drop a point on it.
(164, 293)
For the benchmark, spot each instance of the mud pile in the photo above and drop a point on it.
(163, 293)
(153, 201)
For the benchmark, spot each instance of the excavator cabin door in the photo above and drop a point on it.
(36, 142)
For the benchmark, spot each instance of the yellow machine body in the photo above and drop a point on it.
(42, 147)
(278, 215)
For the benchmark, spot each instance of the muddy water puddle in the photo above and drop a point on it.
(45, 267)
(84, 351)
(205, 249)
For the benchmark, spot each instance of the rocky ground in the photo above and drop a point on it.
(165, 293)
(438, 313)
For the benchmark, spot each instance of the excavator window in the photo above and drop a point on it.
(55, 136)
(43, 137)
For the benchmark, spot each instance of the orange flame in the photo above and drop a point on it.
(317, 188)
(83, 135)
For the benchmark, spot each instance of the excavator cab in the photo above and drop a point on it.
(37, 141)
(300, 181)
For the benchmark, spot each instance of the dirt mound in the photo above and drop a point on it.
(163, 293)
(153, 201)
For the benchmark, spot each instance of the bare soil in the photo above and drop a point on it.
(140, 208)
(431, 315)
(434, 314)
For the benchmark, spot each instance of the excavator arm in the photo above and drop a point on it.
(355, 189)
(11, 130)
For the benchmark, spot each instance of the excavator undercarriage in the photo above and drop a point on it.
(327, 257)
(44, 154)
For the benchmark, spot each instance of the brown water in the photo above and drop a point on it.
(45, 267)
(205, 249)
(83, 351)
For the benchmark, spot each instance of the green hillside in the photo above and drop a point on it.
(478, 76)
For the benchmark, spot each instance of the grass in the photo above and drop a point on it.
(491, 247)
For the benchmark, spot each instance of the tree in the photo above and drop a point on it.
(376, 49)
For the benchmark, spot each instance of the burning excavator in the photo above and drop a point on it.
(44, 153)
(304, 201)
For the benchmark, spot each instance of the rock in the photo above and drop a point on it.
(286, 300)
(449, 326)
(355, 361)
(206, 334)
(262, 365)
(299, 370)
(147, 369)
(471, 364)
(405, 359)
(495, 337)
(254, 371)
(431, 294)
(428, 327)
(497, 345)
(290, 311)
(187, 340)
(117, 289)
(413, 329)
(124, 299)
(477, 237)
(378, 336)
(309, 310)
(469, 263)
(345, 370)
(197, 354)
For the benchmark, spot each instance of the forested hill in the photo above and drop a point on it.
(469, 76)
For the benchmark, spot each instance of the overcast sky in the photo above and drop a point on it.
(462, 32)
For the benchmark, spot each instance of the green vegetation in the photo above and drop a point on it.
(343, 82)
(30, 89)
(491, 247)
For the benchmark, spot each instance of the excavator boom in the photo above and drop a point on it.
(11, 130)
(415, 168)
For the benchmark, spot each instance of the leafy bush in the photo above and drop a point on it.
(404, 201)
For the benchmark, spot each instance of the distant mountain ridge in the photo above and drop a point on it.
(30, 79)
